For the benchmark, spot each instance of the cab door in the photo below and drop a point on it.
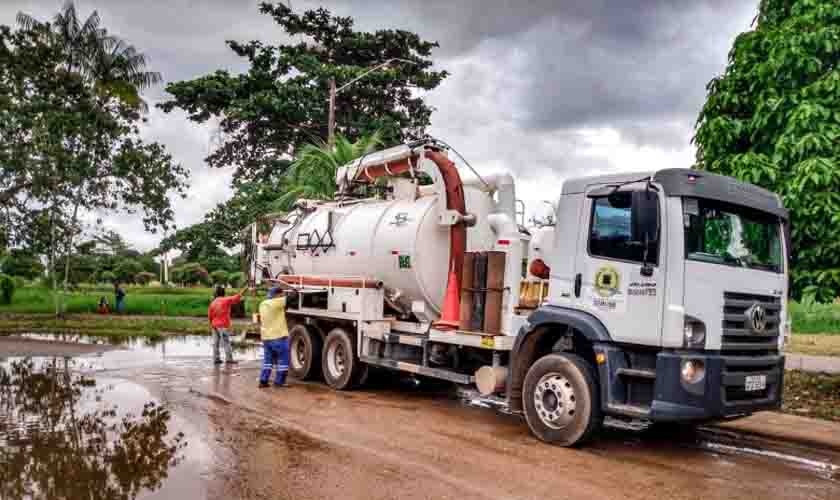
(618, 262)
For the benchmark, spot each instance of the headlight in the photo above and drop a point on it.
(692, 370)
(694, 334)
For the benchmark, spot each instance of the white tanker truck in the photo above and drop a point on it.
(655, 296)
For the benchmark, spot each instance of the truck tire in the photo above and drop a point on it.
(561, 399)
(341, 366)
(304, 353)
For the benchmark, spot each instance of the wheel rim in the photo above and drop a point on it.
(555, 401)
(298, 353)
(336, 356)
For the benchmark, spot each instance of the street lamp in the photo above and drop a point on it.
(334, 91)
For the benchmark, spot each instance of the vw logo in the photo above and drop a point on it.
(757, 318)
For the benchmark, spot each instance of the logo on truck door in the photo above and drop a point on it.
(607, 281)
(606, 294)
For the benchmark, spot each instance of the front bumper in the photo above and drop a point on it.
(721, 393)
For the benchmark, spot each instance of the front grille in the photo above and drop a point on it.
(736, 369)
(738, 334)
(738, 394)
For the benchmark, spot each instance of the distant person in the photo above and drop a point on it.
(219, 315)
(103, 307)
(119, 298)
(274, 334)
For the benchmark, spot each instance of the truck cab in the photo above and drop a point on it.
(667, 299)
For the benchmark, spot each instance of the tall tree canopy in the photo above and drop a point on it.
(773, 119)
(70, 110)
(281, 102)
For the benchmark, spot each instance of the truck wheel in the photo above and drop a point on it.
(562, 405)
(304, 353)
(342, 368)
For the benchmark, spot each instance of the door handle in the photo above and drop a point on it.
(578, 279)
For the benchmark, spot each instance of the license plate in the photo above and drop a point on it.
(755, 383)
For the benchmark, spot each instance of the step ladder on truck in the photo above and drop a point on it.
(654, 297)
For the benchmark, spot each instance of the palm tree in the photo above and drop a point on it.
(111, 66)
(77, 39)
(312, 175)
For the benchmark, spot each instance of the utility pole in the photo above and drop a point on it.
(331, 125)
(334, 92)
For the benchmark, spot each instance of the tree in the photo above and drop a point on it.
(251, 200)
(219, 277)
(312, 175)
(127, 269)
(20, 262)
(107, 277)
(144, 278)
(72, 117)
(192, 274)
(7, 289)
(773, 119)
(237, 279)
(280, 103)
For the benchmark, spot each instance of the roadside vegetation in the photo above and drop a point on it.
(153, 328)
(139, 301)
(812, 395)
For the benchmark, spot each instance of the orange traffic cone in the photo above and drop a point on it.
(449, 319)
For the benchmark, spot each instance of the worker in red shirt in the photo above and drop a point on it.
(219, 315)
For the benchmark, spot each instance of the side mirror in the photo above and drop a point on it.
(644, 226)
(644, 219)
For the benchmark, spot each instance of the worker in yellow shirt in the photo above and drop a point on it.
(275, 335)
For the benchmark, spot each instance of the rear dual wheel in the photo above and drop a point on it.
(341, 365)
(304, 353)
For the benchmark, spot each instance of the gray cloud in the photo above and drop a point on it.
(545, 88)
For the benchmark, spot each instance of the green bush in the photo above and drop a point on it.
(219, 277)
(127, 269)
(7, 288)
(144, 278)
(107, 277)
(20, 281)
(237, 279)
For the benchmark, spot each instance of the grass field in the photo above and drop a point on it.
(815, 318)
(138, 301)
(103, 326)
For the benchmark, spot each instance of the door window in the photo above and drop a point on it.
(625, 226)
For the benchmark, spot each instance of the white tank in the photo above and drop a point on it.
(399, 242)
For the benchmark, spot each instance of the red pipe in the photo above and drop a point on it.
(300, 280)
(458, 233)
(450, 315)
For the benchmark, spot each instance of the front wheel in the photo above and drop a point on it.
(341, 366)
(561, 400)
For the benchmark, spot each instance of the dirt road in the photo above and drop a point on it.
(392, 441)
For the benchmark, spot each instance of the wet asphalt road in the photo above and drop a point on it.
(395, 441)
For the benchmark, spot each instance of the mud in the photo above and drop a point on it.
(399, 439)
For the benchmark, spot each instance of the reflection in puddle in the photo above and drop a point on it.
(141, 351)
(59, 439)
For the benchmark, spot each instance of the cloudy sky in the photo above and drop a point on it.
(544, 88)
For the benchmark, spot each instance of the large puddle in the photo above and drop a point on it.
(65, 435)
(70, 429)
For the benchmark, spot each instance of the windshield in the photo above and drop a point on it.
(723, 233)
